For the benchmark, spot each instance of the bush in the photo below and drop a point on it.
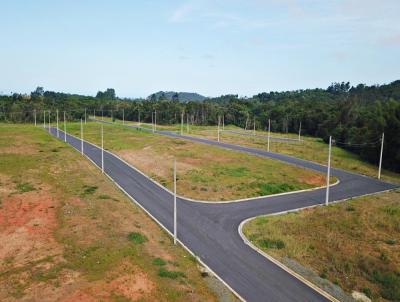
(162, 272)
(159, 261)
(136, 237)
(271, 244)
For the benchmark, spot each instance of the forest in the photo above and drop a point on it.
(355, 116)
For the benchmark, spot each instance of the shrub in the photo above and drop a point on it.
(159, 261)
(136, 237)
(162, 272)
(271, 243)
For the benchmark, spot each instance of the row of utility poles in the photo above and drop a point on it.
(154, 123)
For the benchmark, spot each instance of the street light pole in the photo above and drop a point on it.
(58, 134)
(175, 226)
(300, 131)
(44, 119)
(102, 149)
(328, 174)
(81, 137)
(381, 155)
(269, 132)
(123, 116)
(35, 117)
(65, 129)
(49, 122)
(182, 123)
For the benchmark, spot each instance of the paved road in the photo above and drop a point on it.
(272, 138)
(211, 230)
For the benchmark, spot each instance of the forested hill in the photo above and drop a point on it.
(355, 116)
(178, 96)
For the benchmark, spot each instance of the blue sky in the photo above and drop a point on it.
(210, 47)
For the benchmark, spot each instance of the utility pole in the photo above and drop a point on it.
(94, 113)
(102, 150)
(112, 120)
(58, 134)
(300, 131)
(81, 137)
(49, 122)
(35, 117)
(123, 116)
(44, 119)
(223, 122)
(380, 158)
(85, 116)
(155, 120)
(152, 121)
(219, 120)
(269, 132)
(182, 123)
(65, 129)
(328, 174)
(254, 126)
(175, 226)
(187, 123)
(139, 118)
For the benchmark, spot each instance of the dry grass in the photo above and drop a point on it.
(204, 172)
(355, 244)
(64, 231)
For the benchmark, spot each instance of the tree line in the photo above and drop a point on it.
(356, 116)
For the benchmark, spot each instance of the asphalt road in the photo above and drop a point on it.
(210, 231)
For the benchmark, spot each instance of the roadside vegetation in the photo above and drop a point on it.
(68, 234)
(204, 172)
(354, 244)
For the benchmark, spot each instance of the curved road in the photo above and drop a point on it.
(210, 231)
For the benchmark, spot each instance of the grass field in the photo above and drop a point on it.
(355, 244)
(204, 172)
(67, 233)
(309, 148)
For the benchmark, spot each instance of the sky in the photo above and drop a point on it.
(216, 47)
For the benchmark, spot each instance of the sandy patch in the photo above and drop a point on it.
(132, 286)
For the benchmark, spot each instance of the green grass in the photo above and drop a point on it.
(204, 172)
(159, 261)
(137, 238)
(354, 244)
(88, 241)
(164, 273)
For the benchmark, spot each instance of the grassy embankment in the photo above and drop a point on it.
(68, 234)
(355, 244)
(204, 172)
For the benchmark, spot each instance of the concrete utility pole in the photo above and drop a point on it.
(182, 123)
(85, 116)
(44, 119)
(175, 226)
(155, 120)
(223, 122)
(152, 121)
(328, 174)
(254, 126)
(139, 118)
(35, 117)
(65, 129)
(381, 155)
(269, 132)
(300, 131)
(58, 134)
(81, 137)
(123, 116)
(102, 150)
(219, 121)
(49, 122)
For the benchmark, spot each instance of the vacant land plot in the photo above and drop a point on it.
(204, 172)
(67, 234)
(355, 244)
(309, 148)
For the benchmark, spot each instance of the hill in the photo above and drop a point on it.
(181, 96)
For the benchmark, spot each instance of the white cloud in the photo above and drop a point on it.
(181, 13)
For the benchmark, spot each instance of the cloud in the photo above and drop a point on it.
(181, 13)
